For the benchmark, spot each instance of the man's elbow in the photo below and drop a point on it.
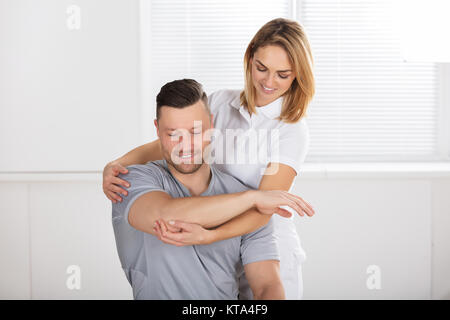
(272, 290)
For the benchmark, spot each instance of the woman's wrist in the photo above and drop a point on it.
(211, 236)
(250, 197)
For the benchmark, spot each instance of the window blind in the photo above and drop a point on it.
(370, 104)
(205, 40)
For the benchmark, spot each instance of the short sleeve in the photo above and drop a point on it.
(291, 145)
(142, 179)
(213, 102)
(219, 99)
(260, 245)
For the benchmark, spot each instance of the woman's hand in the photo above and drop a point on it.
(111, 182)
(180, 233)
(270, 201)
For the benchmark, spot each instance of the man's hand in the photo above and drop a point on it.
(180, 233)
(269, 202)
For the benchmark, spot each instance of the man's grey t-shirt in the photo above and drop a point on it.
(157, 270)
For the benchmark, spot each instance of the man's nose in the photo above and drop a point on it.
(187, 140)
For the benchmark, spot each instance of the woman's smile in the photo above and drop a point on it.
(268, 90)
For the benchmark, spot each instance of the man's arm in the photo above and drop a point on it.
(264, 280)
(207, 211)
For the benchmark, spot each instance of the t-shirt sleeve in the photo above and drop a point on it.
(291, 145)
(142, 179)
(220, 99)
(129, 241)
(260, 245)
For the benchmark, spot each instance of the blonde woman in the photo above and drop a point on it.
(279, 85)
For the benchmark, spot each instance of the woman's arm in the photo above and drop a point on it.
(111, 183)
(276, 177)
(147, 152)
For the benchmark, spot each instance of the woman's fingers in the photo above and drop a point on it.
(114, 196)
(116, 189)
(170, 227)
(300, 202)
(311, 209)
(164, 239)
(283, 212)
(294, 205)
(110, 198)
(181, 225)
(291, 202)
(177, 237)
(116, 169)
(111, 183)
(123, 170)
(121, 182)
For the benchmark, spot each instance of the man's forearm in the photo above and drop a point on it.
(208, 211)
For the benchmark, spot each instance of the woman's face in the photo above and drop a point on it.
(272, 73)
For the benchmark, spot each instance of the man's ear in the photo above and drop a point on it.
(157, 126)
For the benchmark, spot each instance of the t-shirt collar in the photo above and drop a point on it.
(207, 192)
(271, 110)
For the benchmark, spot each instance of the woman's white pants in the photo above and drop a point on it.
(291, 258)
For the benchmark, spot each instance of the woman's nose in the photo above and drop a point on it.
(269, 82)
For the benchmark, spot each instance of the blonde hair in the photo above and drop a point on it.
(290, 36)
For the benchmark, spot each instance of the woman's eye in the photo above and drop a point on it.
(262, 70)
(283, 77)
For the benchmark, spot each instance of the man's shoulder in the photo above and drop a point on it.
(155, 169)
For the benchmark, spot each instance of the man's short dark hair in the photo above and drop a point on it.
(179, 94)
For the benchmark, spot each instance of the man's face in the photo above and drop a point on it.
(181, 133)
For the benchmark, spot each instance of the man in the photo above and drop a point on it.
(184, 187)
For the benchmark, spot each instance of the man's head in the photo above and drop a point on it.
(182, 119)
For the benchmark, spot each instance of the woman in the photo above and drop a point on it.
(279, 84)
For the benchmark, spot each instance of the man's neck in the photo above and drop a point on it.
(196, 182)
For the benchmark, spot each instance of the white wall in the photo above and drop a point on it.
(360, 223)
(67, 96)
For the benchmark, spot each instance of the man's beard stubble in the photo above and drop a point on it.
(183, 168)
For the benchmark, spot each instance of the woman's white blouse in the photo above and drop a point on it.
(244, 145)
